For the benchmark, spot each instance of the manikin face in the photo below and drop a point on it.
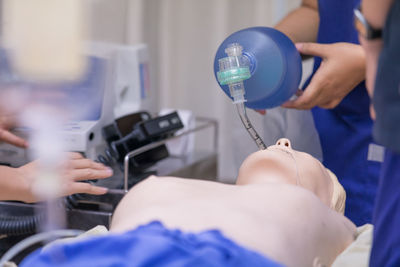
(281, 164)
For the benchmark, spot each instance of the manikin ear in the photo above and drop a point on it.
(338, 201)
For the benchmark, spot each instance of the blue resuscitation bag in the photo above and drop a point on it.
(274, 62)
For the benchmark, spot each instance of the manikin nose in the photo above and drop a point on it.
(284, 142)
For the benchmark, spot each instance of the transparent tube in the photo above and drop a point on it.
(41, 237)
(241, 109)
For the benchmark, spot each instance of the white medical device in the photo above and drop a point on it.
(125, 88)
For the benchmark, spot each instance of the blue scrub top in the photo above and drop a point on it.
(345, 131)
(386, 246)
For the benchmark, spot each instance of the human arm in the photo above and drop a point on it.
(375, 12)
(343, 67)
(301, 25)
(17, 183)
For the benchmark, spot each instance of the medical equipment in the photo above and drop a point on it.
(121, 118)
(126, 90)
(117, 83)
(258, 68)
(137, 130)
(233, 70)
(121, 77)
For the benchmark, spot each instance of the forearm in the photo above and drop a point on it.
(11, 186)
(301, 25)
(375, 11)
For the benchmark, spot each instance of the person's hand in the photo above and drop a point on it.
(342, 68)
(76, 169)
(7, 123)
(264, 112)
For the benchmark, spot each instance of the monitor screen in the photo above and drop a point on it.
(82, 99)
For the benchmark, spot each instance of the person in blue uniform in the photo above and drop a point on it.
(338, 98)
(383, 81)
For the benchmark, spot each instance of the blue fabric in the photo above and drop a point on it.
(150, 245)
(387, 88)
(345, 131)
(386, 245)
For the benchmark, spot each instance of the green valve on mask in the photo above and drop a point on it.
(233, 75)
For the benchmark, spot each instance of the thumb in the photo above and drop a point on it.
(313, 49)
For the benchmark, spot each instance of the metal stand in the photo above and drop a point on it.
(204, 124)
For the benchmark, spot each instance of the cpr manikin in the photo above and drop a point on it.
(285, 205)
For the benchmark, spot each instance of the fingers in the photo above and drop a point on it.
(330, 104)
(83, 163)
(80, 168)
(307, 100)
(74, 155)
(299, 92)
(77, 188)
(12, 139)
(89, 174)
(310, 97)
(313, 49)
(293, 103)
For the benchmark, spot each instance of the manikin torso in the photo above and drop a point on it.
(280, 220)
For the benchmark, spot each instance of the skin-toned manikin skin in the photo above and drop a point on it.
(283, 164)
(277, 209)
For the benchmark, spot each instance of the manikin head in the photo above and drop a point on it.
(281, 164)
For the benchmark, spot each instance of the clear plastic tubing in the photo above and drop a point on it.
(241, 109)
(37, 238)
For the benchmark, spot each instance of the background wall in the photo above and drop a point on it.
(183, 36)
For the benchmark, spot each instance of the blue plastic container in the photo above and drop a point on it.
(275, 66)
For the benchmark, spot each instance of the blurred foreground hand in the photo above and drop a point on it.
(74, 171)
